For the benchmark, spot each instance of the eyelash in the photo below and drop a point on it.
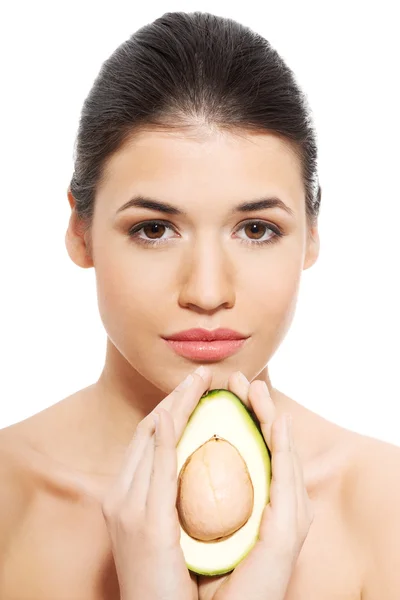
(134, 231)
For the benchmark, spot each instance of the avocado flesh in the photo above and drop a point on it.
(221, 413)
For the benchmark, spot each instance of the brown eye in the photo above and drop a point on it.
(258, 233)
(151, 233)
(255, 231)
(154, 230)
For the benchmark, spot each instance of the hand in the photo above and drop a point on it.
(139, 509)
(265, 572)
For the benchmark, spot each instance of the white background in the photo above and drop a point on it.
(341, 356)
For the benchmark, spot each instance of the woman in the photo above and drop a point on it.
(195, 197)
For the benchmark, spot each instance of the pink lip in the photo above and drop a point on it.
(203, 344)
(200, 350)
(206, 335)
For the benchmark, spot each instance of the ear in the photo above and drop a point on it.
(77, 238)
(313, 246)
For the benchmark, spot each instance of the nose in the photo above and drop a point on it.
(207, 283)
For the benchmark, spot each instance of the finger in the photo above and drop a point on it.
(183, 385)
(281, 513)
(239, 385)
(145, 429)
(259, 399)
(138, 490)
(260, 402)
(209, 586)
(180, 389)
(305, 509)
(163, 483)
(185, 400)
(199, 381)
(194, 585)
(133, 456)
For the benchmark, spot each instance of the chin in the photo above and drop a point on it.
(219, 381)
(168, 377)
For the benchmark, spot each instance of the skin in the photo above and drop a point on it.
(58, 466)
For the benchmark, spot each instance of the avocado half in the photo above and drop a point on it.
(221, 413)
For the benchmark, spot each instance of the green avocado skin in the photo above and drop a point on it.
(216, 392)
(211, 395)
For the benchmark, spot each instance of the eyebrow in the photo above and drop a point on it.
(252, 205)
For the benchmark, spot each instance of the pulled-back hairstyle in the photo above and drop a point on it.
(185, 70)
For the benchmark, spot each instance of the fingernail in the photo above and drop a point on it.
(266, 388)
(186, 382)
(201, 371)
(243, 378)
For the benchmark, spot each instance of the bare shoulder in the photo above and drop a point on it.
(373, 505)
(373, 476)
(16, 486)
(24, 466)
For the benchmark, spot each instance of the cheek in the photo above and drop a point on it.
(130, 292)
(272, 292)
(136, 289)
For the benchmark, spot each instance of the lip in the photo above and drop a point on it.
(206, 345)
(206, 335)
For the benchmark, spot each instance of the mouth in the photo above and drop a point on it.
(205, 345)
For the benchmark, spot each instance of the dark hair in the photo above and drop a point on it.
(183, 70)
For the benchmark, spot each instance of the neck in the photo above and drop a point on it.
(124, 397)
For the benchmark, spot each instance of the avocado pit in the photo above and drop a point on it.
(215, 492)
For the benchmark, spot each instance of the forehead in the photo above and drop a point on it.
(210, 164)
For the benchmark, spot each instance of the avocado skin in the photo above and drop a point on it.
(212, 394)
(217, 391)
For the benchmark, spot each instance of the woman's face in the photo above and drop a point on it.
(205, 263)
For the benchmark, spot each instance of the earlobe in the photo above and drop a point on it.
(76, 238)
(313, 246)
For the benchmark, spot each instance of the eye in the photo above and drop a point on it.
(150, 232)
(259, 232)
